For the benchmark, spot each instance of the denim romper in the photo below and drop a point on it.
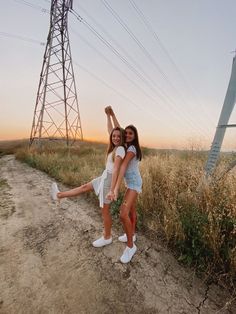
(132, 176)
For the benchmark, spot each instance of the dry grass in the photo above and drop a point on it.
(10, 147)
(198, 220)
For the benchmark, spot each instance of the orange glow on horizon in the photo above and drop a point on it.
(145, 141)
(103, 140)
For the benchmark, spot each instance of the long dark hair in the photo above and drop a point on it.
(111, 146)
(135, 142)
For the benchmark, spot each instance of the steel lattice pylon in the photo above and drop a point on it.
(226, 111)
(56, 113)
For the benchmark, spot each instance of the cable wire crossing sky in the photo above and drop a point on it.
(164, 66)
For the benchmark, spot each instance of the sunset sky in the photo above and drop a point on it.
(190, 63)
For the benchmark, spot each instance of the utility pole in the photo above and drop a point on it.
(56, 114)
(226, 111)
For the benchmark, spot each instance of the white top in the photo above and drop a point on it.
(120, 151)
(133, 164)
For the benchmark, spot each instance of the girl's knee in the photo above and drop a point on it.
(124, 213)
(85, 187)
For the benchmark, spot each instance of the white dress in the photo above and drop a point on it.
(102, 184)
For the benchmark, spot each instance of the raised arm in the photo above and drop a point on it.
(123, 167)
(109, 122)
(115, 121)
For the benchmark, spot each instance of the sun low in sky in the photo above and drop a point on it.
(181, 49)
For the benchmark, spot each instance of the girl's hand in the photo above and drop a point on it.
(111, 111)
(110, 196)
(108, 110)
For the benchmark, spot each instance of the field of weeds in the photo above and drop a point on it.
(197, 220)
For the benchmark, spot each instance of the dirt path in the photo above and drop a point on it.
(48, 265)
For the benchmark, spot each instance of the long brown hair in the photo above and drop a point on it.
(111, 146)
(135, 142)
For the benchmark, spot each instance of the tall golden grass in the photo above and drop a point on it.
(196, 218)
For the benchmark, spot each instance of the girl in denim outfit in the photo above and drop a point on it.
(129, 170)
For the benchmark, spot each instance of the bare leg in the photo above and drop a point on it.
(129, 199)
(77, 191)
(107, 221)
(133, 218)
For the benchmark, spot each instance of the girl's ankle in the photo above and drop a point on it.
(107, 237)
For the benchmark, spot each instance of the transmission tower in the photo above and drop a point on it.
(226, 111)
(56, 114)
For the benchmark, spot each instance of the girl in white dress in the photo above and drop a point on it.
(102, 185)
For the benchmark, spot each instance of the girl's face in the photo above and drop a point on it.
(116, 138)
(129, 135)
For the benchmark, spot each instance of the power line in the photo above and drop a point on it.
(46, 11)
(94, 49)
(137, 41)
(158, 40)
(34, 6)
(91, 74)
(146, 81)
(146, 23)
(118, 54)
(105, 83)
(122, 58)
(152, 31)
(87, 71)
(154, 87)
(99, 79)
(95, 77)
(114, 50)
(114, 90)
(31, 40)
(143, 49)
(101, 38)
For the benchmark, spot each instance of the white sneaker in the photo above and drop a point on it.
(123, 238)
(54, 191)
(102, 242)
(128, 254)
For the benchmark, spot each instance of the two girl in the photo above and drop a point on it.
(123, 156)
